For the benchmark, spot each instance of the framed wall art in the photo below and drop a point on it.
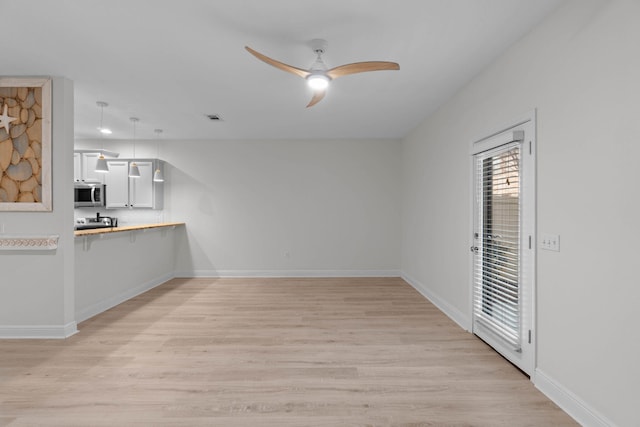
(25, 144)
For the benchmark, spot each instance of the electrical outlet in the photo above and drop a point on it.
(550, 242)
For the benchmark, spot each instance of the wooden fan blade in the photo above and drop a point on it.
(281, 65)
(317, 97)
(361, 67)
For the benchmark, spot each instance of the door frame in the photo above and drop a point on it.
(529, 223)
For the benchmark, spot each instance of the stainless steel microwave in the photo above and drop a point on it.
(89, 195)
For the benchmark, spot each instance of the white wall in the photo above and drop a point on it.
(37, 287)
(581, 70)
(286, 207)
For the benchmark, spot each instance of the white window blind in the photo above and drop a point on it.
(497, 263)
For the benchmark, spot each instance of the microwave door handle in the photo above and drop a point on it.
(93, 195)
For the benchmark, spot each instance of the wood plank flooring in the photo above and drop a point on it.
(268, 352)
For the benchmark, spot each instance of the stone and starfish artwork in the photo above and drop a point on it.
(24, 170)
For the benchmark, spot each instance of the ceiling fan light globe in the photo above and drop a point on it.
(318, 81)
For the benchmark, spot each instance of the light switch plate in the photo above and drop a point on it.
(550, 242)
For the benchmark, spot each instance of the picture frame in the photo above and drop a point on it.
(25, 144)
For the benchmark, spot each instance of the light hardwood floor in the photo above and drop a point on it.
(268, 352)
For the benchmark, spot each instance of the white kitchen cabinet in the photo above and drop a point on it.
(117, 184)
(125, 192)
(84, 166)
(89, 174)
(141, 189)
(77, 167)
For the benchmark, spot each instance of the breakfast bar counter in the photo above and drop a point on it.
(125, 228)
(115, 264)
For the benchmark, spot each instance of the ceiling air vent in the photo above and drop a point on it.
(214, 117)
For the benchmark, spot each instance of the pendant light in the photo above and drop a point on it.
(157, 175)
(101, 164)
(134, 172)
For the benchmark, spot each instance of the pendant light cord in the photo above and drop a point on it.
(158, 132)
(100, 130)
(134, 120)
(101, 104)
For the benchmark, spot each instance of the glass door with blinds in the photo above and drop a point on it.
(502, 303)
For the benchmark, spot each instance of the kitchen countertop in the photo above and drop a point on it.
(124, 228)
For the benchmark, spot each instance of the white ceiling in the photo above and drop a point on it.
(172, 62)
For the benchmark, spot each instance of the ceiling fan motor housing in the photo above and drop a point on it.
(319, 46)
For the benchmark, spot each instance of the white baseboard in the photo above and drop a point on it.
(453, 313)
(108, 303)
(569, 402)
(38, 331)
(287, 273)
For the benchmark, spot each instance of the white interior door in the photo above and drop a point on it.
(503, 247)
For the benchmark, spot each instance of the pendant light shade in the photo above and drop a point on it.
(134, 171)
(158, 176)
(101, 164)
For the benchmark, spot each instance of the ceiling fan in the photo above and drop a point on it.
(318, 75)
